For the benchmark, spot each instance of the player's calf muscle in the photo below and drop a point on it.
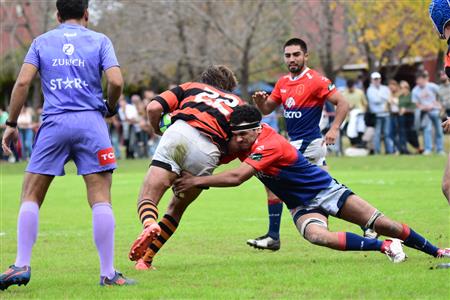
(386, 226)
(316, 238)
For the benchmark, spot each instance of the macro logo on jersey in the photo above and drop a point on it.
(292, 114)
(289, 114)
(106, 156)
(68, 49)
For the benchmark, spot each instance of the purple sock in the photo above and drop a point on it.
(103, 226)
(27, 229)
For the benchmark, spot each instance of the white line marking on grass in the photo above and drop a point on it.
(64, 233)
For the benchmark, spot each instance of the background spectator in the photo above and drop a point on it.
(378, 96)
(444, 92)
(139, 122)
(407, 132)
(129, 116)
(394, 113)
(26, 134)
(358, 106)
(425, 96)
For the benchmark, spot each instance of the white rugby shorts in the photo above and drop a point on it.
(182, 147)
(328, 202)
(315, 152)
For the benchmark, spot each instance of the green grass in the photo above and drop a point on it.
(208, 257)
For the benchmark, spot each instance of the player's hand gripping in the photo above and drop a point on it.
(260, 97)
(184, 183)
(10, 136)
(331, 136)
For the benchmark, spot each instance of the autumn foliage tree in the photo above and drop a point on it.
(388, 33)
(176, 40)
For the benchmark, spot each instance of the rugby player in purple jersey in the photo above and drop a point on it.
(70, 60)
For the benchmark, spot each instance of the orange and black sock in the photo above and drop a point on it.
(148, 212)
(168, 226)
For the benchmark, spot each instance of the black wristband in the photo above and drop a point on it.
(11, 124)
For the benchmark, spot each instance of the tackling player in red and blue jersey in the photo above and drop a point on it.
(309, 192)
(302, 93)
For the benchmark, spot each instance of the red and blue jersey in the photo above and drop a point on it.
(303, 98)
(284, 170)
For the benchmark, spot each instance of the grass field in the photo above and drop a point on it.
(208, 257)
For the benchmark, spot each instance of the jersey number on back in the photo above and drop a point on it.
(213, 99)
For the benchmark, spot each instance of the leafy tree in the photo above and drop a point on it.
(388, 33)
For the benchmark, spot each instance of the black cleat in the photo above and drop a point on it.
(265, 242)
(15, 275)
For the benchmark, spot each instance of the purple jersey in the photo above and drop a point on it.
(70, 60)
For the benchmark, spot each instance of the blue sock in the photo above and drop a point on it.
(275, 210)
(414, 240)
(354, 242)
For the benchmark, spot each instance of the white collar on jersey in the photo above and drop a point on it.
(299, 76)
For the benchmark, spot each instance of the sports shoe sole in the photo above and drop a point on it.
(15, 281)
(143, 241)
(262, 248)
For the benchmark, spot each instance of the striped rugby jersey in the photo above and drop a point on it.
(204, 107)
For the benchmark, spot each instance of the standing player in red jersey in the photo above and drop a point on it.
(194, 142)
(302, 93)
(440, 15)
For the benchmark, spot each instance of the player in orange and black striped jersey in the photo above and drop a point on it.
(202, 106)
(194, 142)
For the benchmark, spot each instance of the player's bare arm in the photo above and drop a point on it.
(342, 109)
(228, 178)
(154, 111)
(18, 97)
(264, 102)
(446, 125)
(115, 85)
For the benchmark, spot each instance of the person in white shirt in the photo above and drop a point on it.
(378, 96)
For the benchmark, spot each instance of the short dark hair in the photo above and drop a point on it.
(245, 114)
(422, 74)
(71, 9)
(350, 83)
(219, 76)
(296, 42)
